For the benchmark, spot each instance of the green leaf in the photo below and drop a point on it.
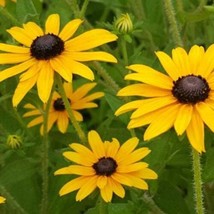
(25, 11)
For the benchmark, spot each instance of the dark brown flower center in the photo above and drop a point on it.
(105, 166)
(59, 104)
(191, 89)
(46, 47)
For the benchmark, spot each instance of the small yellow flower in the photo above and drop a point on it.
(124, 23)
(2, 200)
(184, 98)
(78, 100)
(42, 53)
(107, 165)
(14, 141)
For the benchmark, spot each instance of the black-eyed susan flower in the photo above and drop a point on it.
(44, 52)
(184, 98)
(2, 200)
(106, 166)
(79, 99)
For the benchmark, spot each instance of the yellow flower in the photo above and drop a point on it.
(44, 52)
(3, 2)
(184, 98)
(78, 99)
(2, 200)
(108, 166)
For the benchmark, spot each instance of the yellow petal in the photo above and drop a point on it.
(90, 56)
(207, 114)
(14, 49)
(102, 181)
(150, 76)
(149, 105)
(122, 179)
(195, 58)
(12, 71)
(181, 60)
(116, 187)
(131, 168)
(183, 118)
(22, 89)
(60, 67)
(32, 113)
(168, 65)
(126, 149)
(90, 39)
(112, 148)
(163, 122)
(33, 30)
(87, 188)
(69, 29)
(207, 62)
(195, 132)
(2, 200)
(107, 193)
(128, 107)
(147, 174)
(62, 122)
(45, 81)
(6, 58)
(35, 121)
(20, 35)
(52, 24)
(72, 185)
(76, 170)
(144, 90)
(96, 144)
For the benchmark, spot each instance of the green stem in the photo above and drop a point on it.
(197, 182)
(44, 203)
(170, 13)
(75, 7)
(103, 207)
(107, 78)
(11, 201)
(84, 8)
(124, 51)
(75, 123)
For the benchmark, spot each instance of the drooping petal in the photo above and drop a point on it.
(62, 122)
(90, 39)
(106, 193)
(102, 181)
(52, 24)
(69, 29)
(168, 65)
(72, 185)
(149, 105)
(195, 132)
(87, 188)
(163, 122)
(150, 76)
(45, 81)
(22, 89)
(183, 118)
(36, 121)
(206, 113)
(116, 187)
(12, 71)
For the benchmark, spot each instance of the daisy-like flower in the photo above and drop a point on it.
(78, 100)
(44, 52)
(184, 98)
(2, 200)
(107, 165)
